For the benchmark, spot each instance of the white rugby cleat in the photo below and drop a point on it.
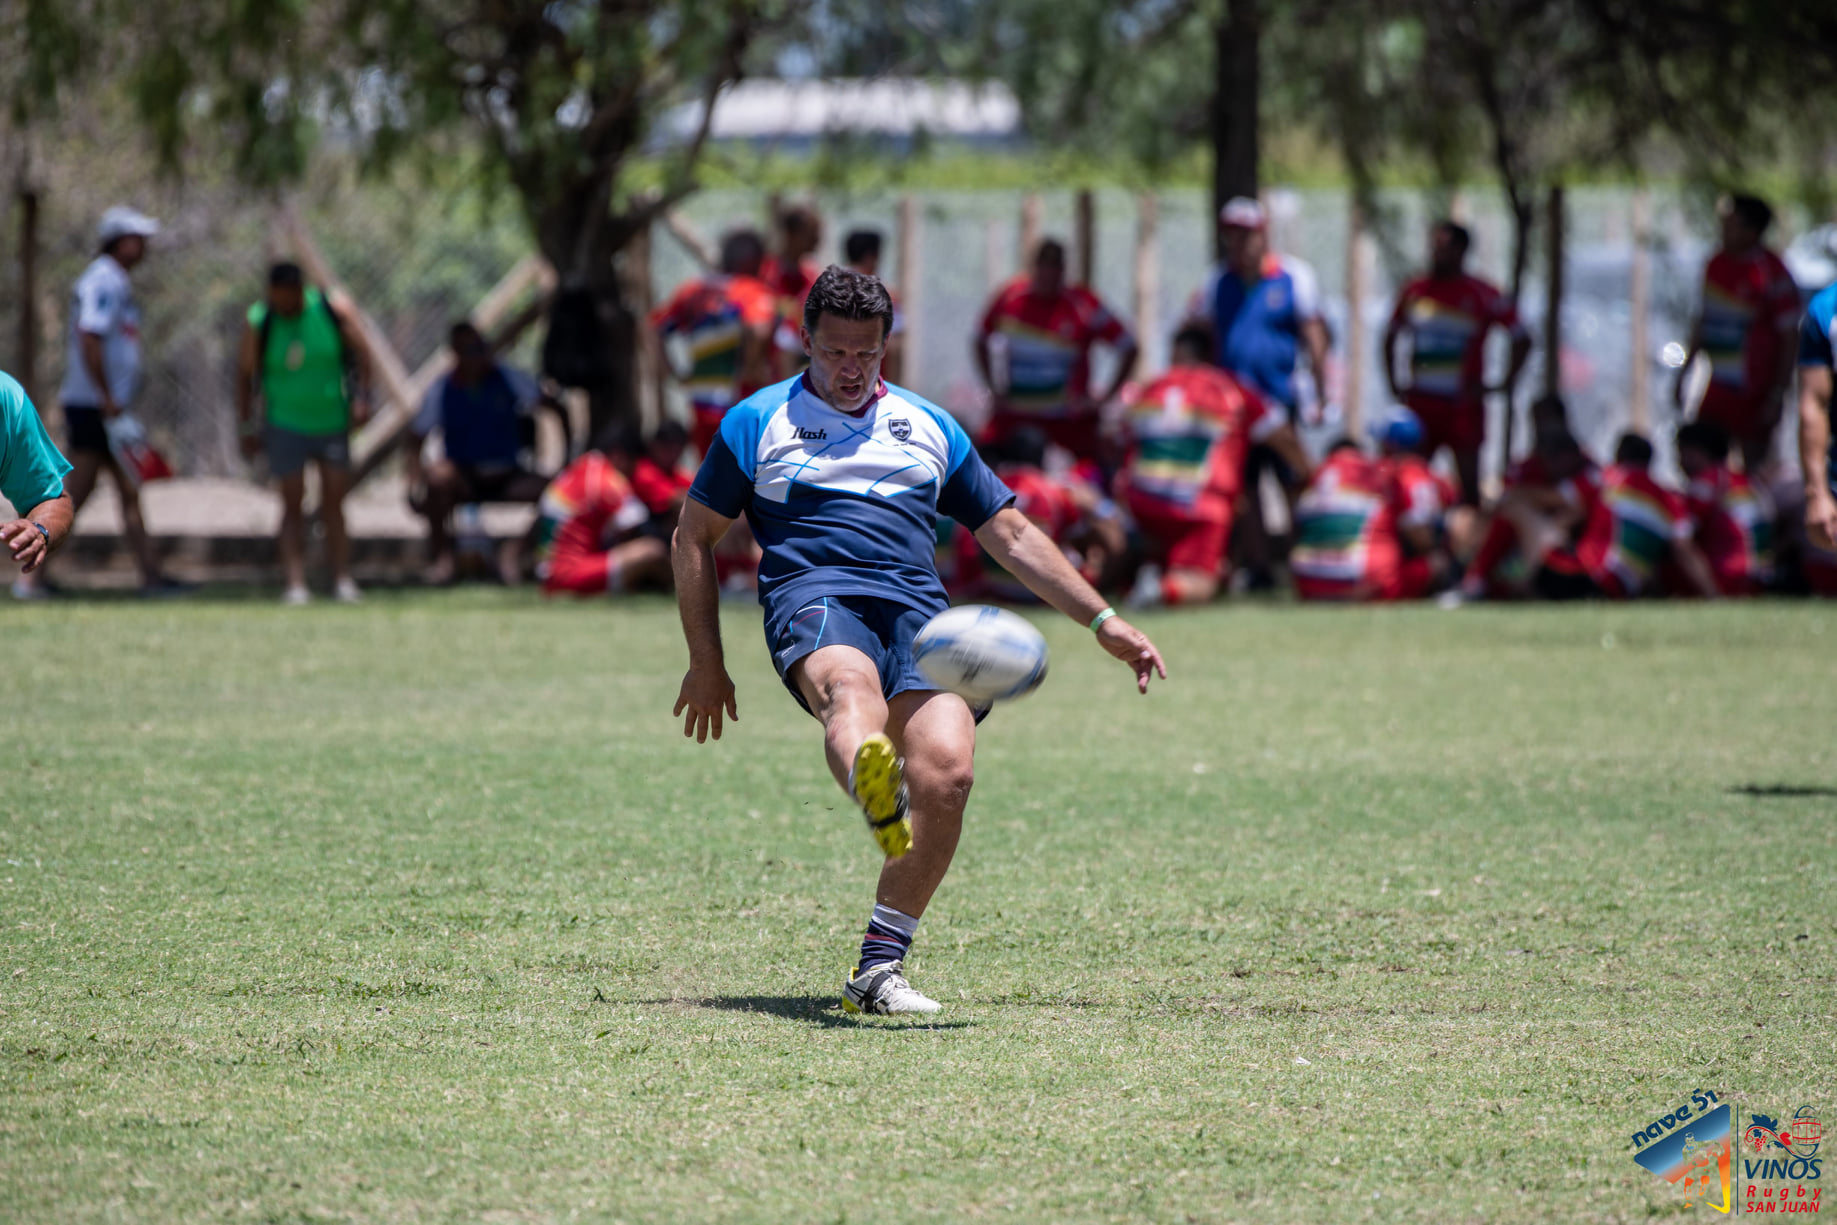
(884, 991)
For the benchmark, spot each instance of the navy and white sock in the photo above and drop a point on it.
(889, 936)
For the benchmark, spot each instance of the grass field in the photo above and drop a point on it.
(423, 911)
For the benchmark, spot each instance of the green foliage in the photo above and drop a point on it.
(425, 911)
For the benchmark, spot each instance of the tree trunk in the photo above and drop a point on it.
(1235, 91)
(28, 292)
(583, 247)
(1553, 295)
(1520, 207)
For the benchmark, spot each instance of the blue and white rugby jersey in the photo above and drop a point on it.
(1817, 343)
(841, 504)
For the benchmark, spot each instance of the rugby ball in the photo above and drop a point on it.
(984, 655)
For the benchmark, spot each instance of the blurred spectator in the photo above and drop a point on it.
(1346, 542)
(1264, 310)
(1071, 510)
(1034, 350)
(1188, 436)
(298, 352)
(32, 476)
(102, 374)
(1556, 483)
(481, 408)
(587, 533)
(861, 250)
(1422, 502)
(789, 272)
(1633, 528)
(658, 478)
(1731, 515)
(725, 321)
(1446, 316)
(1817, 448)
(1750, 312)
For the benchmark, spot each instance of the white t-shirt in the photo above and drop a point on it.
(102, 304)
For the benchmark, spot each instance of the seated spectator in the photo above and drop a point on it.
(1556, 482)
(1071, 510)
(480, 408)
(1347, 546)
(1633, 528)
(589, 538)
(659, 479)
(1423, 502)
(1732, 517)
(1188, 437)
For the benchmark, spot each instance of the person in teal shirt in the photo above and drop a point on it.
(32, 473)
(294, 353)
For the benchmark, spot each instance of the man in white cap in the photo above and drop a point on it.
(102, 373)
(1264, 310)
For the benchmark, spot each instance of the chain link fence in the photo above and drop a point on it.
(417, 258)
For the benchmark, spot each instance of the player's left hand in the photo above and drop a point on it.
(1131, 646)
(360, 409)
(26, 542)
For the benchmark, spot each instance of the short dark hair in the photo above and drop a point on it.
(620, 437)
(462, 331)
(1704, 436)
(1458, 233)
(1024, 447)
(1196, 335)
(1050, 251)
(286, 275)
(1633, 451)
(1755, 213)
(671, 433)
(742, 251)
(848, 294)
(800, 217)
(860, 245)
(1345, 442)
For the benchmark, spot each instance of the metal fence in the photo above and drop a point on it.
(418, 258)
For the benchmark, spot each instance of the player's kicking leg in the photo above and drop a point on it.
(841, 686)
(936, 732)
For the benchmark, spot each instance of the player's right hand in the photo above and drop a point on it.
(1821, 520)
(705, 694)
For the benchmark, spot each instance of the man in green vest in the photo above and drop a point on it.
(297, 350)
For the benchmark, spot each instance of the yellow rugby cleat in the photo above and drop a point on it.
(878, 783)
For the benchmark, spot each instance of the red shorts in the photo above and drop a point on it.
(1187, 544)
(1414, 578)
(1741, 416)
(1079, 435)
(1820, 572)
(579, 574)
(1332, 589)
(1459, 425)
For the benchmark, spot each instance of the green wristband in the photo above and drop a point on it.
(1101, 617)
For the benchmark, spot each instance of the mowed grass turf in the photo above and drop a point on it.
(425, 911)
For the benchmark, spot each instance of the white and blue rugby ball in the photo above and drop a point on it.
(983, 655)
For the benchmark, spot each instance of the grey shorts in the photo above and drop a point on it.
(288, 451)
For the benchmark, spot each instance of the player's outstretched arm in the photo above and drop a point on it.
(1030, 555)
(707, 690)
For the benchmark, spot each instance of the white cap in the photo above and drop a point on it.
(1243, 212)
(121, 221)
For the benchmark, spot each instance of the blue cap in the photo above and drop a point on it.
(1398, 427)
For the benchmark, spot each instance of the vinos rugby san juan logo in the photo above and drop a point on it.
(1773, 1167)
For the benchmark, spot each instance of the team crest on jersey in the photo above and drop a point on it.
(900, 428)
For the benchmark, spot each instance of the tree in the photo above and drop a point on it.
(560, 97)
